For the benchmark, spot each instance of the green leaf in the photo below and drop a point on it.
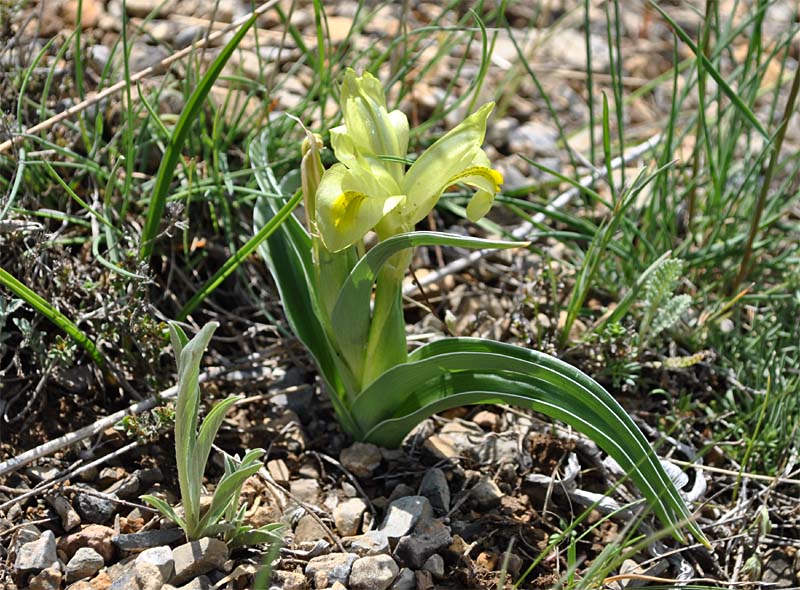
(186, 409)
(351, 315)
(165, 509)
(227, 489)
(287, 253)
(172, 154)
(43, 306)
(208, 432)
(269, 533)
(461, 371)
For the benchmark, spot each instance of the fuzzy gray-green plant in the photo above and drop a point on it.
(192, 448)
(663, 308)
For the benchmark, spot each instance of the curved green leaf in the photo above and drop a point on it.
(462, 371)
(351, 315)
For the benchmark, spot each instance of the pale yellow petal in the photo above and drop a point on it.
(346, 209)
(445, 163)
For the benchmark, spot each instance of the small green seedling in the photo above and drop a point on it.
(192, 447)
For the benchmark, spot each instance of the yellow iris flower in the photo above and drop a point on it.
(370, 187)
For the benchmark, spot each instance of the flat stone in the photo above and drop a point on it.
(361, 459)
(374, 572)
(488, 420)
(96, 536)
(327, 569)
(414, 549)
(94, 508)
(434, 486)
(441, 446)
(308, 530)
(405, 580)
(147, 539)
(435, 565)
(306, 490)
(198, 557)
(347, 516)
(370, 543)
(161, 558)
(403, 514)
(289, 580)
(199, 583)
(36, 556)
(69, 518)
(148, 576)
(486, 494)
(48, 579)
(84, 564)
(278, 470)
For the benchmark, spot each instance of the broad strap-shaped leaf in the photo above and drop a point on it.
(463, 371)
(287, 253)
(186, 410)
(351, 315)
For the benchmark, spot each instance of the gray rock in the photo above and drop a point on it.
(48, 579)
(188, 35)
(435, 565)
(414, 549)
(199, 583)
(36, 555)
(374, 572)
(361, 459)
(127, 487)
(124, 577)
(348, 515)
(198, 557)
(434, 487)
(84, 564)
(327, 569)
(405, 580)
(486, 494)
(144, 8)
(148, 576)
(289, 580)
(403, 514)
(371, 543)
(147, 539)
(144, 56)
(306, 490)
(69, 518)
(161, 558)
(309, 530)
(94, 508)
(533, 139)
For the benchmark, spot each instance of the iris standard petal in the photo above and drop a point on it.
(445, 160)
(373, 130)
(349, 205)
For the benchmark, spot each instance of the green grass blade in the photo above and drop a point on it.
(709, 67)
(41, 305)
(172, 154)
